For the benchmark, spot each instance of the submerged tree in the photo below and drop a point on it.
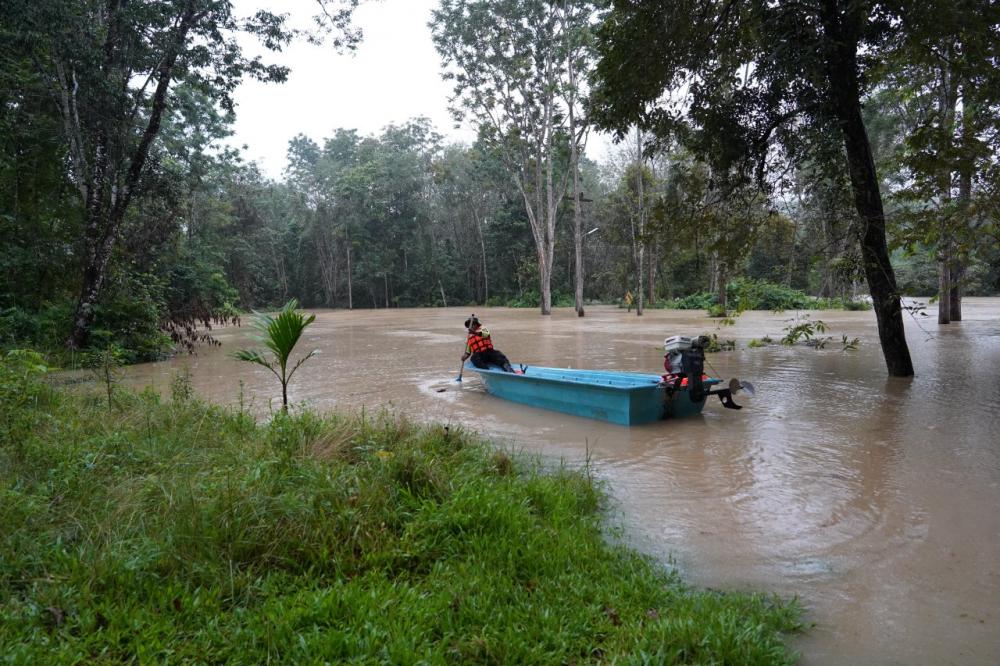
(745, 77)
(942, 82)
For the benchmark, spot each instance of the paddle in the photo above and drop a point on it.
(461, 369)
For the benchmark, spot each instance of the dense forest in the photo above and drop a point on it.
(844, 150)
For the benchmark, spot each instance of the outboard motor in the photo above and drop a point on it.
(686, 358)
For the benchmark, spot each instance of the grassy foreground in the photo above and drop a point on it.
(177, 531)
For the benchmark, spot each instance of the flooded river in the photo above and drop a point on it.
(876, 501)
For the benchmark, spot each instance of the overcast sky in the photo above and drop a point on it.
(394, 75)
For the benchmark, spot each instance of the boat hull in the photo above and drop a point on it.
(624, 398)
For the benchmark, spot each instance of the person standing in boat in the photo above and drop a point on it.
(479, 346)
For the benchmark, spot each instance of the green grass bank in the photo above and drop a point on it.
(172, 531)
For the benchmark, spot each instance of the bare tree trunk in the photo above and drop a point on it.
(350, 290)
(550, 198)
(944, 286)
(574, 159)
(652, 275)
(279, 271)
(721, 278)
(577, 232)
(955, 297)
(482, 250)
(948, 99)
(327, 267)
(828, 286)
(545, 282)
(94, 275)
(964, 200)
(842, 34)
(640, 240)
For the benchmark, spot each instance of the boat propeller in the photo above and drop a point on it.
(726, 394)
(735, 385)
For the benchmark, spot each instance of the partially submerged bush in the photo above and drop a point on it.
(746, 294)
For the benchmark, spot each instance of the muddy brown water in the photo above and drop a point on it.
(875, 501)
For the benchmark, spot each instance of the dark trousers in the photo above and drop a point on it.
(485, 359)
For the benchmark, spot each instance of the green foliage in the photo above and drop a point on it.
(531, 298)
(280, 334)
(916, 272)
(181, 389)
(800, 102)
(105, 364)
(717, 311)
(24, 397)
(700, 301)
(803, 328)
(129, 316)
(517, 69)
(77, 126)
(851, 305)
(750, 294)
(42, 328)
(760, 295)
(182, 532)
(716, 345)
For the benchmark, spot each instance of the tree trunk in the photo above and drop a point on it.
(550, 205)
(944, 288)
(350, 291)
(577, 238)
(105, 201)
(829, 286)
(652, 275)
(574, 151)
(965, 168)
(640, 237)
(639, 293)
(482, 249)
(841, 63)
(545, 283)
(280, 272)
(955, 297)
(326, 254)
(721, 278)
(94, 274)
(947, 101)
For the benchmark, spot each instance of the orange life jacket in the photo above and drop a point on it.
(477, 342)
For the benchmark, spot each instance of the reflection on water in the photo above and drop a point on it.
(876, 501)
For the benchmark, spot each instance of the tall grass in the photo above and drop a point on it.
(178, 531)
